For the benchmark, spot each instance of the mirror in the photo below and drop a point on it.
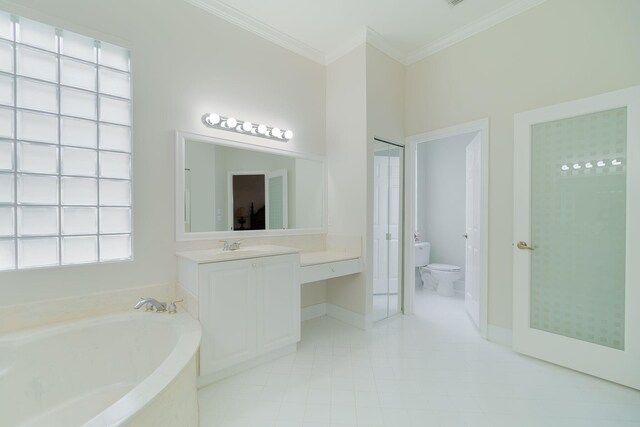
(227, 187)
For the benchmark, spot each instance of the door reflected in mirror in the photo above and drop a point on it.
(238, 189)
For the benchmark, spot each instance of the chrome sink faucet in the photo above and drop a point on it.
(226, 246)
(151, 304)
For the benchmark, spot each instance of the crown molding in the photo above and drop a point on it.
(234, 16)
(259, 28)
(476, 27)
(379, 42)
(346, 47)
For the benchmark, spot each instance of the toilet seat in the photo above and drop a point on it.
(443, 267)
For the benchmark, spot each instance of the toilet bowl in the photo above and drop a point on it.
(444, 275)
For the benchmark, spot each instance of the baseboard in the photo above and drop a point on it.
(500, 335)
(313, 311)
(205, 380)
(347, 316)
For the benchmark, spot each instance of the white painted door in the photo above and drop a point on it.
(472, 230)
(228, 314)
(387, 228)
(278, 294)
(277, 212)
(576, 230)
(380, 224)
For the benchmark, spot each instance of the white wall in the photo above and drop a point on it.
(365, 99)
(185, 62)
(441, 197)
(347, 166)
(555, 52)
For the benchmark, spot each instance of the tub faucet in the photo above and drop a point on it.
(151, 304)
(230, 246)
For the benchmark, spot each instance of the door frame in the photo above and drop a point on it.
(411, 145)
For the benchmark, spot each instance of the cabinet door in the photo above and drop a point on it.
(278, 302)
(227, 314)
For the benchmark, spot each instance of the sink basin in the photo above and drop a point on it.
(239, 253)
(217, 255)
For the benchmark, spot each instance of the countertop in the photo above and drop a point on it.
(323, 257)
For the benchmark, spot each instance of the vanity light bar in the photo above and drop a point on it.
(216, 121)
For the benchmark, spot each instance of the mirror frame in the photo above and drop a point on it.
(182, 236)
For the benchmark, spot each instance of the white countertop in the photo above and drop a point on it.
(323, 257)
(218, 255)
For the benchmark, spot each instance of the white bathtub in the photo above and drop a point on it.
(106, 371)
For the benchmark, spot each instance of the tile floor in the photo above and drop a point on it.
(430, 369)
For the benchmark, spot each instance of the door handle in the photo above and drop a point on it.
(523, 245)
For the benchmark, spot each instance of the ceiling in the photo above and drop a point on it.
(324, 30)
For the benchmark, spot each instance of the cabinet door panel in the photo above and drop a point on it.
(228, 315)
(278, 303)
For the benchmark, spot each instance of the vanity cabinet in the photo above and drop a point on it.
(248, 308)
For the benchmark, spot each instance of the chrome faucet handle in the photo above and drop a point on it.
(225, 245)
(172, 308)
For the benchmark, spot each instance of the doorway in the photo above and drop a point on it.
(388, 200)
(258, 200)
(448, 219)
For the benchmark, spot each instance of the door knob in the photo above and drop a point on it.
(523, 245)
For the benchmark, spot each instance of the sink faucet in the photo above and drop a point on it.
(151, 304)
(230, 246)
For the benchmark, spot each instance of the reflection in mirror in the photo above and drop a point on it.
(234, 189)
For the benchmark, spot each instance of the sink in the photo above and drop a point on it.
(239, 253)
(217, 255)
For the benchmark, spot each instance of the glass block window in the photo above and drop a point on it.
(65, 147)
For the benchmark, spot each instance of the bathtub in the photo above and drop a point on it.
(132, 369)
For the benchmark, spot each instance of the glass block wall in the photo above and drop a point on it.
(65, 147)
(578, 227)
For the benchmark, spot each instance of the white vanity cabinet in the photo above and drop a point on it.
(249, 308)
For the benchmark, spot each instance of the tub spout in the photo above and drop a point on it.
(151, 304)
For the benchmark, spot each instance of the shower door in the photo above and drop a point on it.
(388, 162)
(576, 231)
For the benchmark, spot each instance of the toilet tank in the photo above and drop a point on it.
(423, 251)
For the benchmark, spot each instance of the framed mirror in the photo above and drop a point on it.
(230, 189)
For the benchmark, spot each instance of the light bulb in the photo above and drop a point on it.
(247, 126)
(600, 163)
(213, 119)
(262, 129)
(276, 132)
(588, 165)
(231, 122)
(288, 134)
(616, 162)
(565, 168)
(576, 166)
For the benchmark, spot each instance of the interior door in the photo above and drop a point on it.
(576, 228)
(472, 230)
(388, 162)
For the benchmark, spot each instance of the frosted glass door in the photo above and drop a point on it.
(576, 215)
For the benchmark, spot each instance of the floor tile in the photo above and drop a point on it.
(429, 369)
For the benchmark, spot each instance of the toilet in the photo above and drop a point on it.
(443, 274)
